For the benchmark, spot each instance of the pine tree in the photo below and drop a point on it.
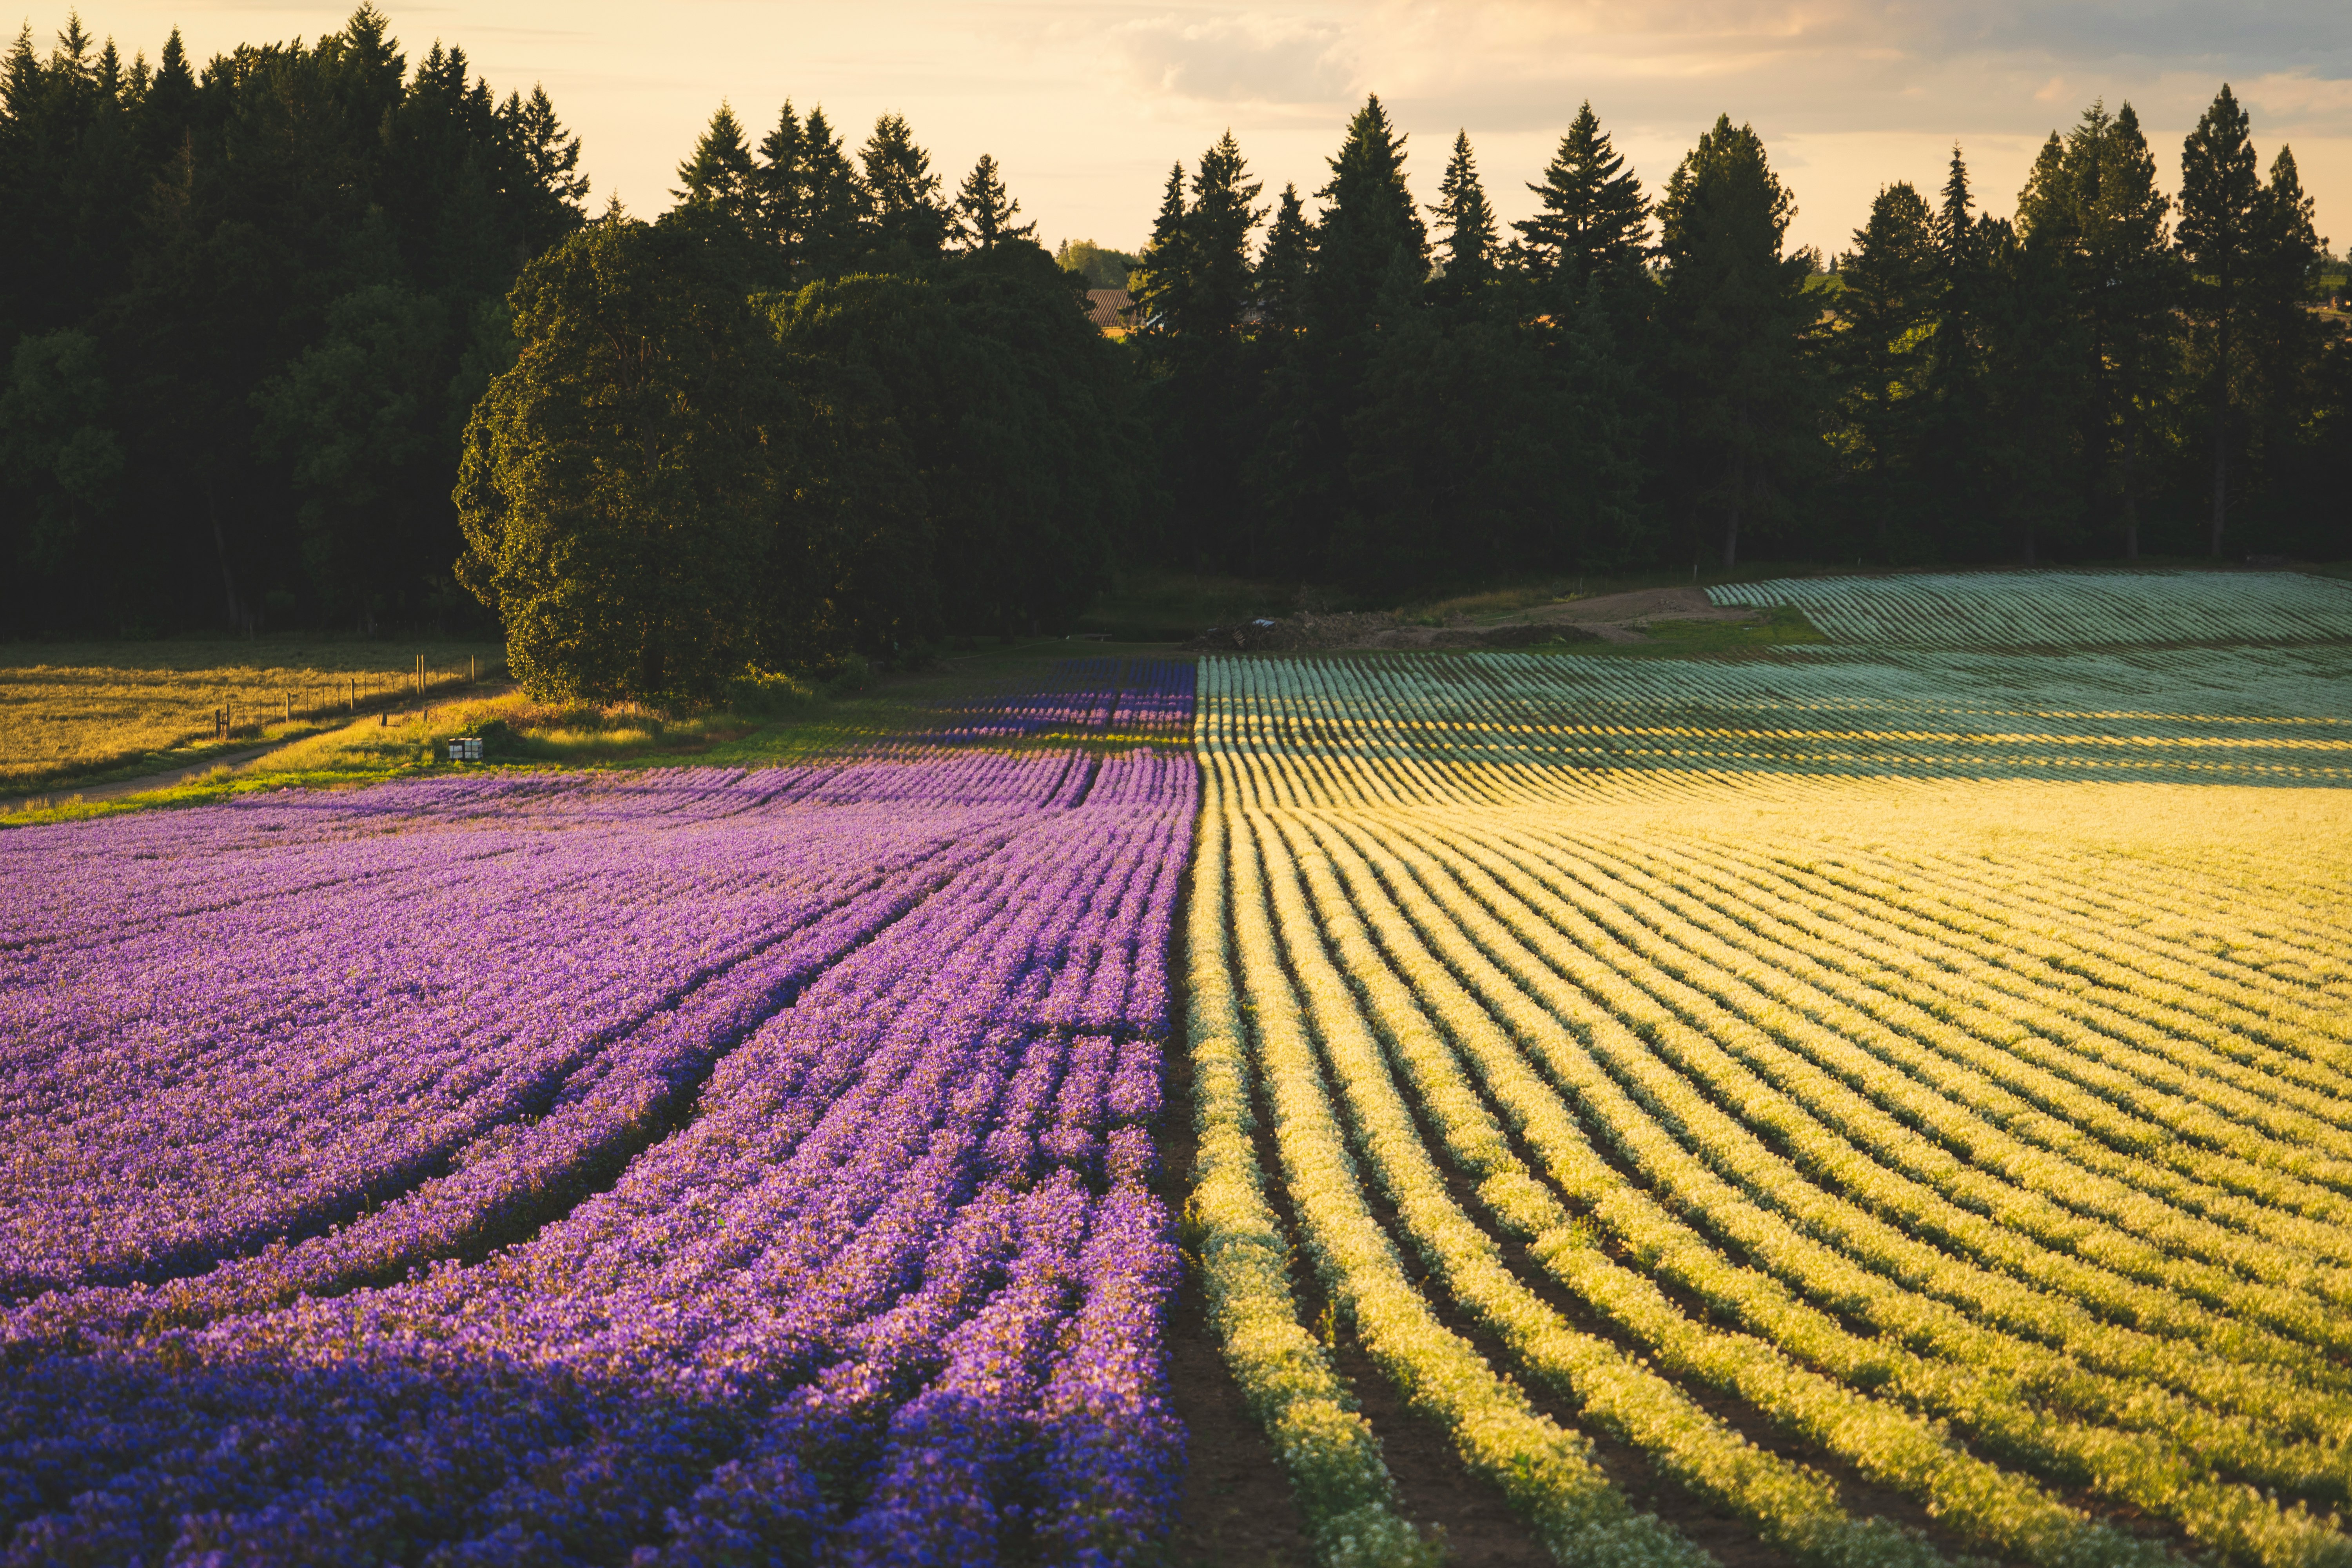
(1370, 223)
(2131, 301)
(1594, 219)
(780, 180)
(720, 174)
(836, 204)
(1736, 316)
(1954, 417)
(1882, 347)
(984, 212)
(907, 210)
(2284, 339)
(2221, 189)
(2093, 207)
(1278, 286)
(1162, 276)
(1197, 284)
(1217, 226)
(2032, 383)
(1467, 250)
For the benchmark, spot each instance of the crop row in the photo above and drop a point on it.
(1496, 728)
(1117, 699)
(2061, 609)
(875, 1276)
(1942, 1153)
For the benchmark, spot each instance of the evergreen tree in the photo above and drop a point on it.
(2032, 384)
(552, 187)
(911, 220)
(2135, 302)
(1217, 227)
(289, 277)
(2220, 190)
(1467, 250)
(1196, 292)
(1885, 313)
(1162, 275)
(2093, 207)
(720, 174)
(1593, 218)
(1954, 416)
(1278, 286)
(1370, 264)
(984, 212)
(837, 206)
(780, 180)
(1369, 225)
(2287, 343)
(1738, 315)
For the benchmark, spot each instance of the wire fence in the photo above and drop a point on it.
(244, 715)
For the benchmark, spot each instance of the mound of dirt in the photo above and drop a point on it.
(1295, 634)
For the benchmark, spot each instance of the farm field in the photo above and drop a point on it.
(76, 713)
(1855, 1104)
(2063, 610)
(1898, 1104)
(714, 1164)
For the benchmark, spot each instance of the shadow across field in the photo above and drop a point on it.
(2237, 716)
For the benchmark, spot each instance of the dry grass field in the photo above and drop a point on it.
(81, 712)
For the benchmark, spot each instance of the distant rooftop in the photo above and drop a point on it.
(1107, 307)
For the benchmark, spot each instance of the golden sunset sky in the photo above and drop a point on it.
(1086, 105)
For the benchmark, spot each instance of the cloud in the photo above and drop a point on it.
(1246, 59)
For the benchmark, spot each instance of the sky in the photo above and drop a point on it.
(1085, 106)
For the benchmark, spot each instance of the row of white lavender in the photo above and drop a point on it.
(884, 1284)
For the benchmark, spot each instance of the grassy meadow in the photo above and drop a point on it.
(81, 714)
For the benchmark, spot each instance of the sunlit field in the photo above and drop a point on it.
(1902, 1099)
(72, 711)
(1879, 1102)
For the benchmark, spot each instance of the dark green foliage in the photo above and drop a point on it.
(1881, 353)
(2221, 189)
(1279, 287)
(969, 458)
(720, 174)
(984, 211)
(1737, 314)
(1194, 291)
(1467, 252)
(615, 487)
(2092, 209)
(244, 314)
(56, 449)
(912, 224)
(1593, 218)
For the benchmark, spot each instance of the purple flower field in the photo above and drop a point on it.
(690, 1167)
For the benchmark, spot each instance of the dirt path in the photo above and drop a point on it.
(64, 793)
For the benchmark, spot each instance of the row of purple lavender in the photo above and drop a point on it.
(1146, 699)
(696, 1168)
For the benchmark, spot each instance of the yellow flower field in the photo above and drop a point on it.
(1969, 1113)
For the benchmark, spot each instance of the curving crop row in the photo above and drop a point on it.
(1861, 1102)
(883, 1282)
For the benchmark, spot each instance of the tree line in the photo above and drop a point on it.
(1396, 395)
(819, 406)
(244, 312)
(313, 338)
